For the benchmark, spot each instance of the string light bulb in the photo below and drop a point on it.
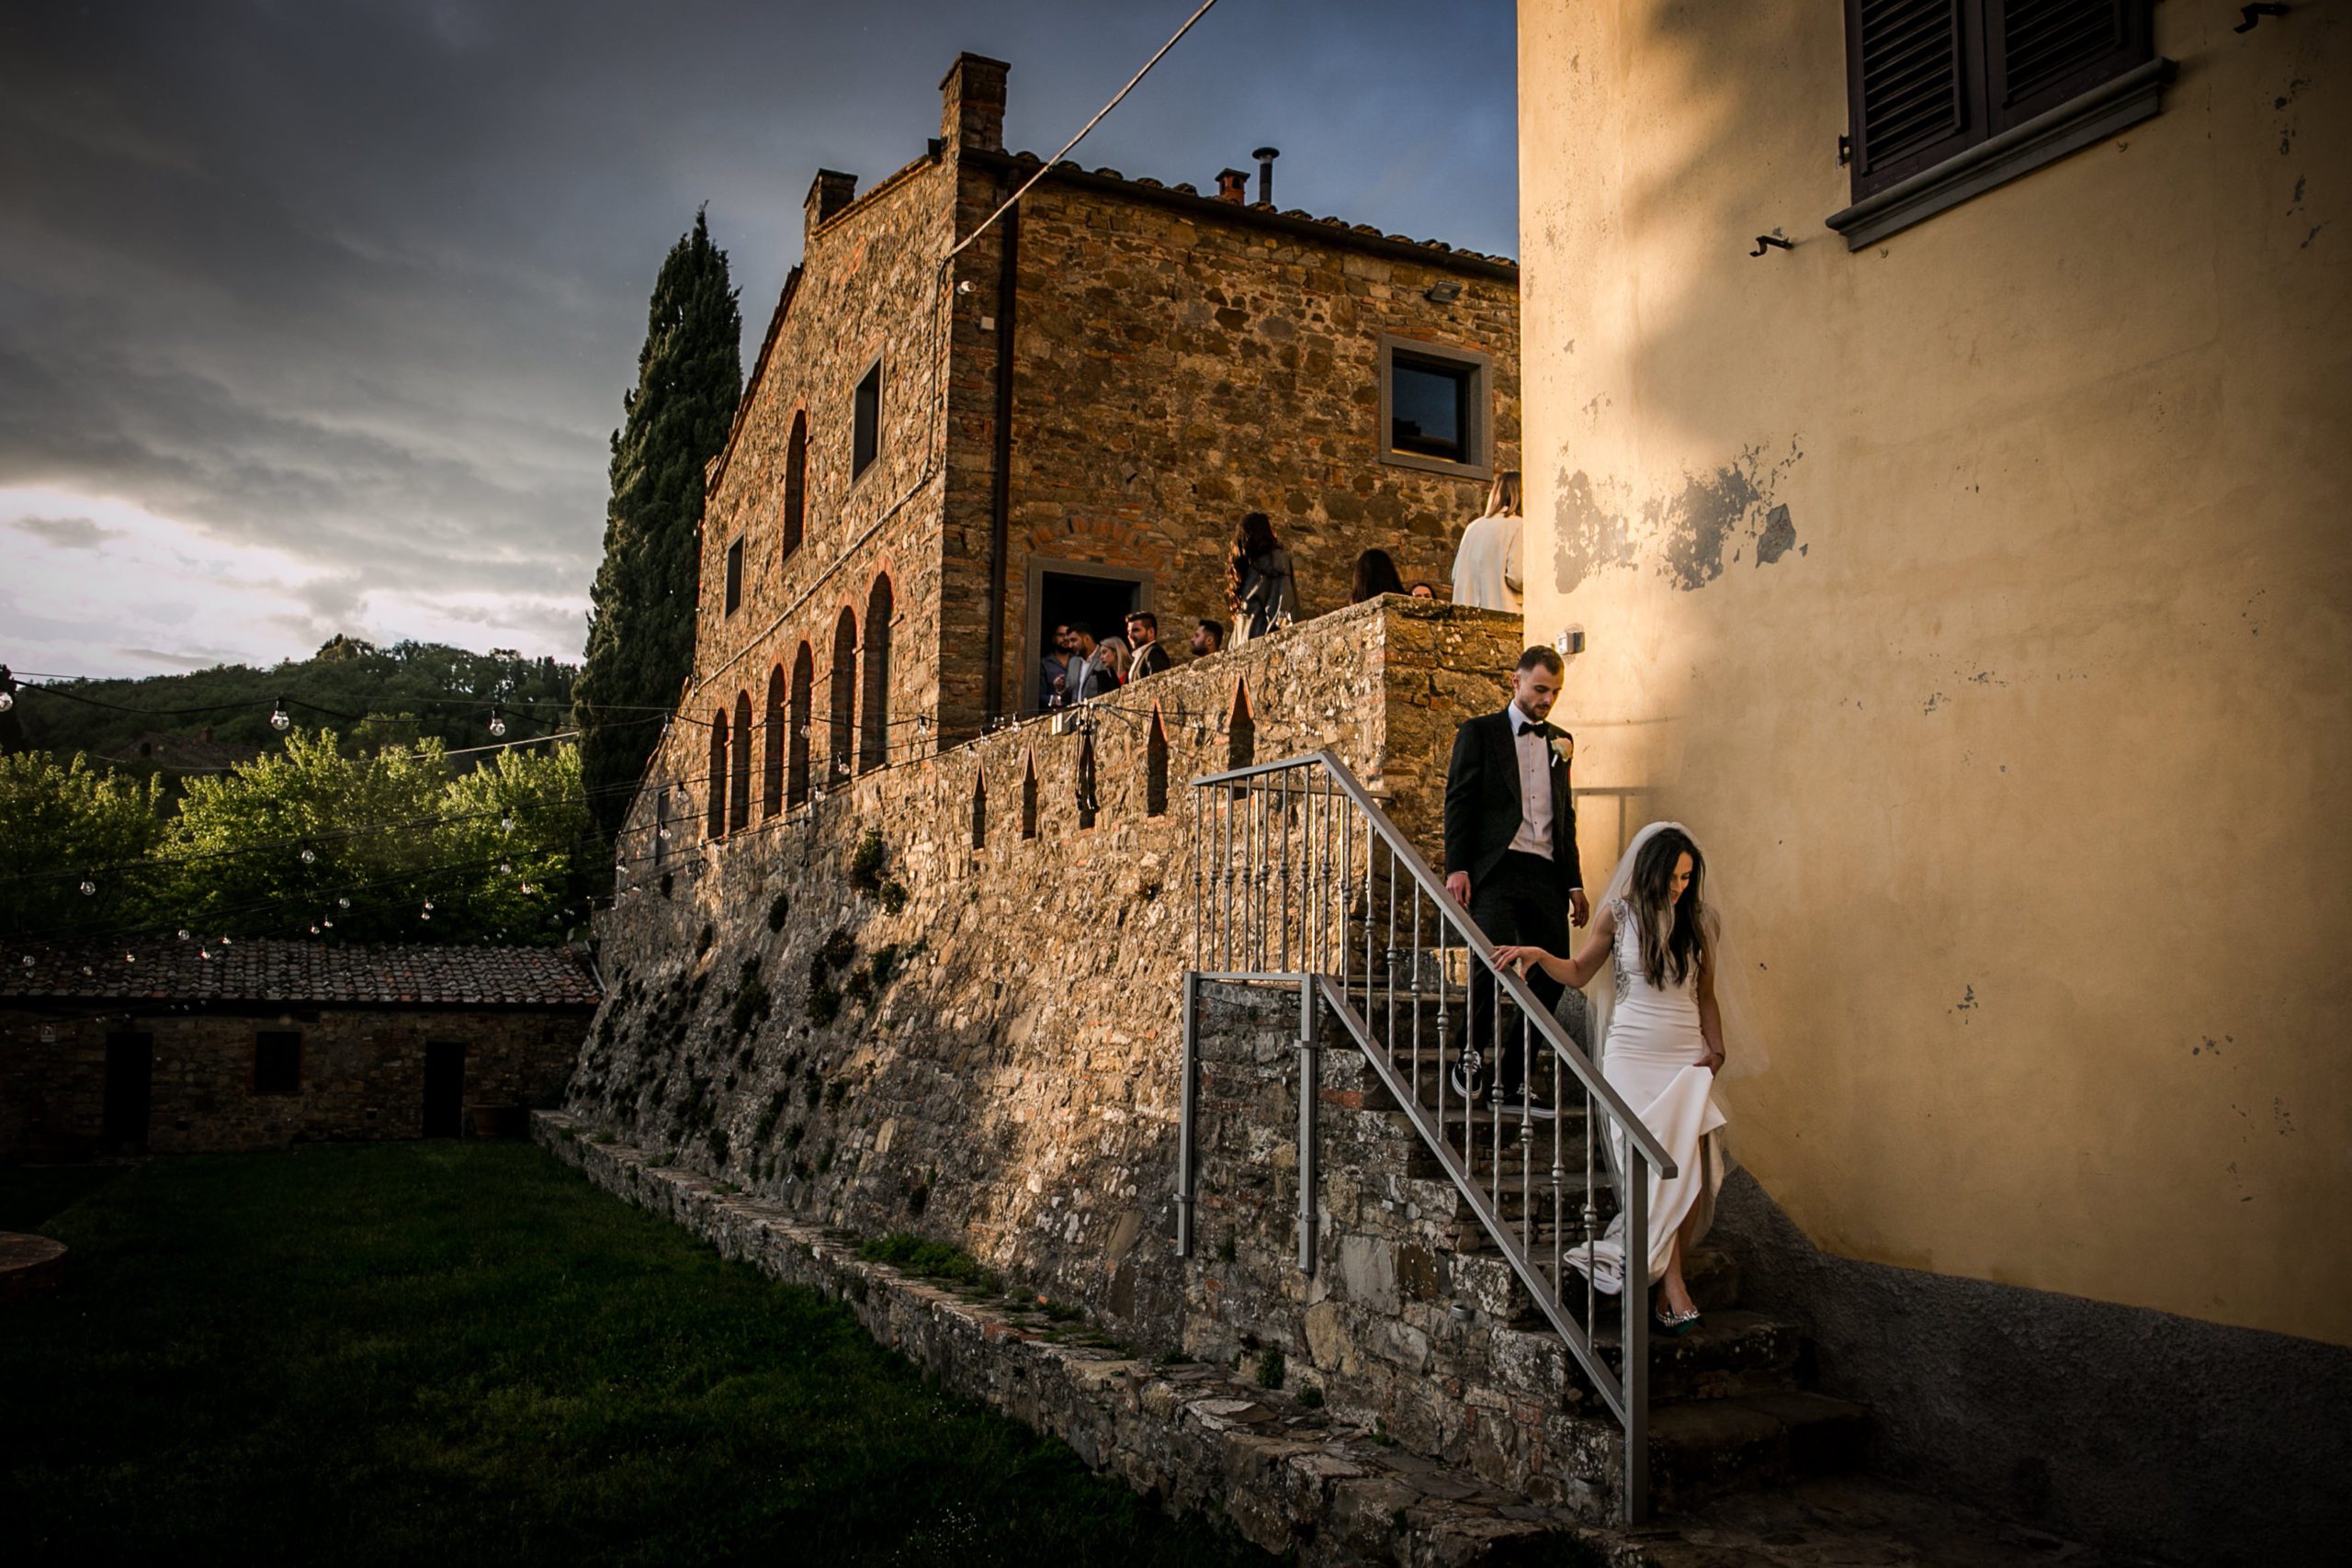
(183, 933)
(497, 720)
(506, 824)
(277, 719)
(7, 689)
(88, 887)
(310, 856)
(343, 903)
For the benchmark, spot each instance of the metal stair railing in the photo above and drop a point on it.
(1290, 858)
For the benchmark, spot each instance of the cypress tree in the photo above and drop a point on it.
(641, 619)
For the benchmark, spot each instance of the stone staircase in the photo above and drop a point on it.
(1729, 1401)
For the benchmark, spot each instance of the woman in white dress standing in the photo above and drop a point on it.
(1488, 573)
(1662, 1044)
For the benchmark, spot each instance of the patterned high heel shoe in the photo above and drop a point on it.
(1677, 1323)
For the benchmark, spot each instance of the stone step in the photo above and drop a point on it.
(1731, 1354)
(1702, 1448)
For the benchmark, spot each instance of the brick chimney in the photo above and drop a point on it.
(972, 104)
(1233, 185)
(829, 192)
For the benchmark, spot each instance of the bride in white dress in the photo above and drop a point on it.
(1663, 1043)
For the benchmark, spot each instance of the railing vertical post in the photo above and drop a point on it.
(1282, 880)
(1198, 855)
(1187, 1100)
(1635, 1379)
(1309, 1078)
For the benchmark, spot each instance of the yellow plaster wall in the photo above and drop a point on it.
(2024, 768)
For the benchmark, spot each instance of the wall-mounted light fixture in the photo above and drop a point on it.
(1570, 640)
(1444, 291)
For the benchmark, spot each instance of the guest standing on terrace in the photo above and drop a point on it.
(1664, 1045)
(1488, 569)
(1208, 636)
(1510, 856)
(1142, 630)
(1258, 579)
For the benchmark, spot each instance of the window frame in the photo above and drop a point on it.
(864, 439)
(1479, 405)
(2002, 136)
(731, 587)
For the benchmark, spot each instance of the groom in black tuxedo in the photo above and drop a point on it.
(1510, 854)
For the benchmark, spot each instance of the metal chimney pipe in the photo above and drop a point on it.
(1266, 156)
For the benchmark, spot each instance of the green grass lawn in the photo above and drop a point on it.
(440, 1353)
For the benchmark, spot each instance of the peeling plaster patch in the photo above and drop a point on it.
(1690, 530)
(1590, 536)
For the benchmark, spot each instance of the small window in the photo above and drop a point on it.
(866, 426)
(277, 1061)
(734, 576)
(1434, 407)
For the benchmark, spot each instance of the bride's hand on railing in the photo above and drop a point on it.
(1525, 958)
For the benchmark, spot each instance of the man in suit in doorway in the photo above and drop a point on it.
(1510, 857)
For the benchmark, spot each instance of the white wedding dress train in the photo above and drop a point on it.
(1652, 1058)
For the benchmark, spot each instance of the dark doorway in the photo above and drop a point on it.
(1101, 603)
(445, 1088)
(130, 1076)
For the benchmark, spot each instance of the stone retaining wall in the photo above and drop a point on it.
(1290, 1478)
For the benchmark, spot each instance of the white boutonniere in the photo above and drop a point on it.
(1564, 748)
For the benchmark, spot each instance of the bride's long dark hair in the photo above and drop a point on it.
(1669, 950)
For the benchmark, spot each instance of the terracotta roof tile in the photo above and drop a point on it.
(163, 969)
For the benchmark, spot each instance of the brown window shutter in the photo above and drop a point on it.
(1913, 96)
(2039, 54)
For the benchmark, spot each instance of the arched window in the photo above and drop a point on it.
(1029, 794)
(738, 813)
(772, 761)
(981, 811)
(795, 483)
(804, 682)
(843, 698)
(874, 742)
(715, 822)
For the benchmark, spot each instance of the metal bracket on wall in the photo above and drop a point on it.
(2253, 15)
(1774, 241)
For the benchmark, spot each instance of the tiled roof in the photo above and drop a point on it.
(163, 969)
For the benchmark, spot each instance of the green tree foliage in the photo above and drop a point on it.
(302, 838)
(64, 821)
(491, 850)
(642, 623)
(368, 828)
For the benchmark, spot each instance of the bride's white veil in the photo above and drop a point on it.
(1744, 1053)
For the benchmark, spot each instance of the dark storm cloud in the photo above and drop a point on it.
(363, 283)
(65, 533)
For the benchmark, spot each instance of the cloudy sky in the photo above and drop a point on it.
(315, 315)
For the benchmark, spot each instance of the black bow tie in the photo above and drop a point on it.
(1532, 725)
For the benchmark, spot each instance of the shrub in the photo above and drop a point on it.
(764, 1128)
(866, 862)
(893, 896)
(752, 1004)
(1310, 1396)
(824, 1003)
(779, 909)
(1270, 1367)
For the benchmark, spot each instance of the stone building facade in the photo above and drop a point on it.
(162, 1048)
(941, 451)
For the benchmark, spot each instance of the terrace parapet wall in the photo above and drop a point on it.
(1002, 1067)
